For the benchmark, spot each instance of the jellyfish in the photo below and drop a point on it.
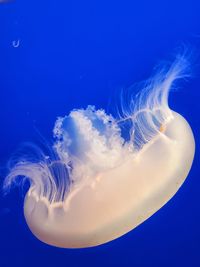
(104, 176)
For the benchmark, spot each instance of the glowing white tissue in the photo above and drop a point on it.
(107, 175)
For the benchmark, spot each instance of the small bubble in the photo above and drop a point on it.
(16, 43)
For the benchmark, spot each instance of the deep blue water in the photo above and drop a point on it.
(73, 53)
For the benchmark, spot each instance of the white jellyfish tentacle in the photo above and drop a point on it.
(149, 109)
(48, 177)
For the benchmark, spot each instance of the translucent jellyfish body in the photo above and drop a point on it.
(108, 175)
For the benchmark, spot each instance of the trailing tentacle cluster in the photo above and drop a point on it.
(89, 141)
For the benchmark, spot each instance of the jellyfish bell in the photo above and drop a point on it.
(117, 200)
(102, 185)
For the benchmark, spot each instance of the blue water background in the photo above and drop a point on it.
(73, 53)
